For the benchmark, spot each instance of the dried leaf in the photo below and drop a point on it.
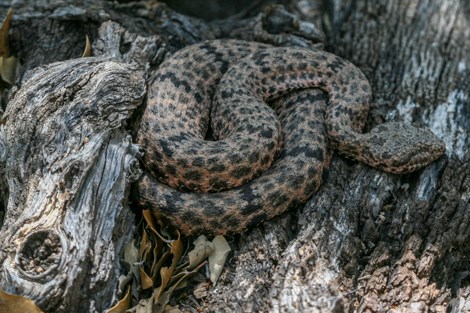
(16, 304)
(169, 276)
(7, 69)
(218, 258)
(176, 249)
(160, 254)
(156, 266)
(131, 254)
(184, 274)
(4, 48)
(165, 275)
(171, 309)
(123, 304)
(124, 281)
(87, 52)
(201, 290)
(159, 245)
(145, 246)
(158, 263)
(149, 218)
(145, 281)
(202, 249)
(131, 257)
(162, 299)
(145, 305)
(182, 285)
(150, 221)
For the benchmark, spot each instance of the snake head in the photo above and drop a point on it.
(399, 148)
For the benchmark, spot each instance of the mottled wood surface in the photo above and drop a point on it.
(68, 166)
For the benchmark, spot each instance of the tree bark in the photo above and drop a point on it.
(367, 241)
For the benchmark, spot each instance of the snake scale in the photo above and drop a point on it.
(275, 115)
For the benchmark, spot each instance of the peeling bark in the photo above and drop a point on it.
(366, 242)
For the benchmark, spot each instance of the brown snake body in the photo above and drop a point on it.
(266, 158)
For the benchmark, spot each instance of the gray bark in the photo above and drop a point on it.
(68, 165)
(367, 241)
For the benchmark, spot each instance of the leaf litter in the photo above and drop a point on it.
(161, 265)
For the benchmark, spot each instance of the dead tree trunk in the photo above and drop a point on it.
(367, 241)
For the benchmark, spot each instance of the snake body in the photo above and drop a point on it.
(265, 158)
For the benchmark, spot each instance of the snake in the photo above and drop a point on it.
(234, 133)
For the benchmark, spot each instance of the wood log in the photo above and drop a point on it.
(366, 242)
(68, 166)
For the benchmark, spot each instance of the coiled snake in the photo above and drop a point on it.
(264, 159)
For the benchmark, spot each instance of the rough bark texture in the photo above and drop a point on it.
(68, 165)
(367, 241)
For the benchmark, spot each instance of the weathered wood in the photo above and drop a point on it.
(367, 241)
(68, 166)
